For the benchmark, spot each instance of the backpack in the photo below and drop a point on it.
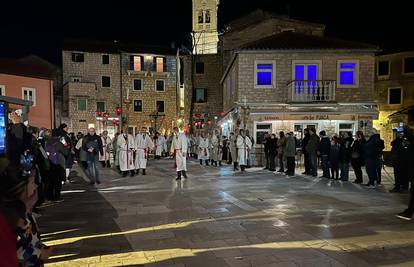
(52, 153)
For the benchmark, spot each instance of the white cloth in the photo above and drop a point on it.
(106, 145)
(203, 149)
(143, 144)
(161, 145)
(179, 146)
(126, 146)
(215, 148)
(243, 145)
(116, 150)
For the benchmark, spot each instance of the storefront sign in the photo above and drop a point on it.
(309, 117)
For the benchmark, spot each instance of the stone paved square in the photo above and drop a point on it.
(218, 218)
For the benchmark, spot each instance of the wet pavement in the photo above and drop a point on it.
(218, 218)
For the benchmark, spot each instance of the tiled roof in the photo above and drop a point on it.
(258, 16)
(31, 66)
(298, 41)
(113, 47)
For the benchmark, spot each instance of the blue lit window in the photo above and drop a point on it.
(264, 74)
(348, 74)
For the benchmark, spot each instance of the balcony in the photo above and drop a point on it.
(312, 91)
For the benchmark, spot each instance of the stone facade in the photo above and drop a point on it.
(83, 80)
(205, 35)
(395, 79)
(148, 93)
(210, 81)
(327, 62)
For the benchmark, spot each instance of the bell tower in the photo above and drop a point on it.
(205, 35)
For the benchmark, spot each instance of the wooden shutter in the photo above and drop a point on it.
(164, 64)
(154, 64)
(131, 62)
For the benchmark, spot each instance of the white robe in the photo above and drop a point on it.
(161, 145)
(215, 148)
(179, 146)
(106, 143)
(142, 145)
(243, 146)
(203, 149)
(126, 152)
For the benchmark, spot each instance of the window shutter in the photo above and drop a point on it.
(164, 64)
(131, 62)
(154, 63)
(142, 63)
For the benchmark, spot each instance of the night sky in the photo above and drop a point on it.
(39, 27)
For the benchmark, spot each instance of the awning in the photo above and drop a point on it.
(406, 110)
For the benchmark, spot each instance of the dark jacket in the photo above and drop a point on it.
(61, 150)
(357, 150)
(304, 143)
(334, 155)
(345, 149)
(312, 146)
(324, 146)
(399, 152)
(273, 146)
(374, 147)
(94, 142)
(266, 145)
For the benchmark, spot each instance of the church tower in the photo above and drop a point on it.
(205, 35)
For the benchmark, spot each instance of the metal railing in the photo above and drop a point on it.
(312, 91)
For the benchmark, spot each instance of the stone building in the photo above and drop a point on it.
(205, 34)
(206, 96)
(394, 93)
(102, 77)
(297, 79)
(150, 85)
(91, 84)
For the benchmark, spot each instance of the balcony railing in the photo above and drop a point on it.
(312, 91)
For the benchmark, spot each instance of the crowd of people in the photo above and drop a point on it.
(38, 163)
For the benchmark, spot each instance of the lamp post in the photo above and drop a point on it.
(246, 112)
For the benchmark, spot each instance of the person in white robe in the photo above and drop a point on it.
(143, 145)
(215, 149)
(126, 147)
(179, 148)
(106, 144)
(160, 144)
(203, 150)
(243, 145)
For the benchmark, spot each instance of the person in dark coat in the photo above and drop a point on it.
(409, 137)
(312, 150)
(92, 144)
(272, 152)
(324, 150)
(67, 142)
(381, 160)
(305, 141)
(266, 143)
(400, 162)
(357, 156)
(373, 151)
(345, 155)
(290, 153)
(334, 158)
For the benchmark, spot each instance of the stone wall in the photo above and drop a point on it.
(90, 72)
(149, 95)
(284, 74)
